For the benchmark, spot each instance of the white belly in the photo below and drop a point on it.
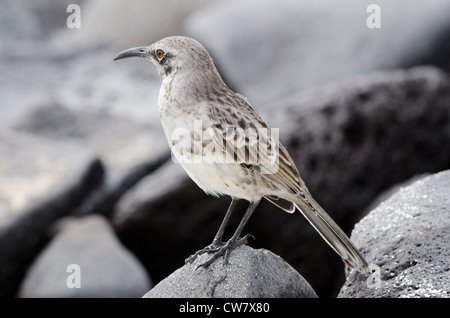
(224, 179)
(185, 134)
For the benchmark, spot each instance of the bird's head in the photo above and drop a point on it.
(174, 54)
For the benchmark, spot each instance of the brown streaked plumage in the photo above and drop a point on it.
(237, 149)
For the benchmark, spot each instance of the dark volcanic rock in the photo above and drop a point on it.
(407, 238)
(354, 139)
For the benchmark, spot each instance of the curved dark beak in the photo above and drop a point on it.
(140, 51)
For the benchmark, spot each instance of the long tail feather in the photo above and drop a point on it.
(332, 234)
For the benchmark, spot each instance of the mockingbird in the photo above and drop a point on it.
(227, 149)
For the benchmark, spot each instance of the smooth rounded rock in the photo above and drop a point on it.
(85, 259)
(250, 273)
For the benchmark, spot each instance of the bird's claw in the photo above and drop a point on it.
(224, 250)
(211, 248)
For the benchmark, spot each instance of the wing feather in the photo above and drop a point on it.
(281, 173)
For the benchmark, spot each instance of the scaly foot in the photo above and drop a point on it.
(211, 248)
(223, 250)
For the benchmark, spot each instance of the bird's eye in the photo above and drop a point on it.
(159, 53)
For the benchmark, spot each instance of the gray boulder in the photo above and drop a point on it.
(406, 238)
(40, 181)
(361, 135)
(250, 274)
(105, 267)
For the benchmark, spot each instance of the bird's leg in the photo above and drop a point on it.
(217, 241)
(235, 240)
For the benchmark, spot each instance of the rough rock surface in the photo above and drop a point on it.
(106, 268)
(250, 274)
(361, 135)
(407, 238)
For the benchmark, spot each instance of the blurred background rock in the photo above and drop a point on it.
(359, 109)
